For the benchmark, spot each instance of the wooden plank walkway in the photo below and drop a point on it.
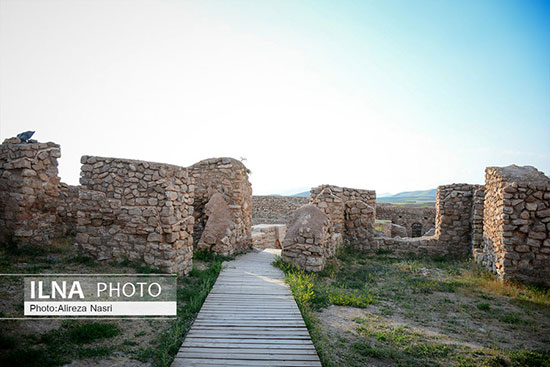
(249, 319)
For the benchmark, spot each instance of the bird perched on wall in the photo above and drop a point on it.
(25, 136)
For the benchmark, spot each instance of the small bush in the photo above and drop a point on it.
(530, 358)
(204, 255)
(367, 350)
(351, 299)
(484, 306)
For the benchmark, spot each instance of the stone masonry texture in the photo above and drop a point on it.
(407, 216)
(153, 213)
(310, 239)
(229, 177)
(123, 209)
(34, 205)
(136, 210)
(275, 209)
(516, 228)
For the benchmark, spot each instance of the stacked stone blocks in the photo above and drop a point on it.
(136, 210)
(268, 236)
(229, 177)
(310, 239)
(34, 205)
(516, 231)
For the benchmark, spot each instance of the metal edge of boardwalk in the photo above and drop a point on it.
(249, 318)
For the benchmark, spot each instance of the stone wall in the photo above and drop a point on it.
(275, 209)
(454, 205)
(136, 210)
(310, 239)
(358, 221)
(332, 205)
(456, 225)
(476, 220)
(34, 205)
(352, 211)
(407, 216)
(268, 236)
(346, 194)
(516, 231)
(228, 177)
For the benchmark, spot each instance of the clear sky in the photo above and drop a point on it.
(385, 95)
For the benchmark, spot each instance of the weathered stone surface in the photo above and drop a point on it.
(219, 232)
(34, 205)
(400, 231)
(136, 210)
(352, 211)
(430, 232)
(268, 236)
(514, 231)
(275, 209)
(310, 239)
(228, 177)
(407, 217)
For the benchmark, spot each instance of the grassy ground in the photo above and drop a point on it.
(380, 311)
(85, 342)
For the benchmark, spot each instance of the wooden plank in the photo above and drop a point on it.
(249, 319)
(189, 362)
(251, 351)
(249, 356)
(273, 345)
(224, 341)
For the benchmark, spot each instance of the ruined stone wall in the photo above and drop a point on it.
(310, 240)
(476, 220)
(453, 211)
(333, 206)
(136, 210)
(407, 216)
(34, 205)
(359, 222)
(352, 211)
(275, 209)
(229, 177)
(346, 194)
(268, 236)
(457, 225)
(516, 232)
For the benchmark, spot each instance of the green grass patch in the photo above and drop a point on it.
(191, 295)
(484, 306)
(89, 332)
(452, 297)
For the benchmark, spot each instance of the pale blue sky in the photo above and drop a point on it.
(385, 95)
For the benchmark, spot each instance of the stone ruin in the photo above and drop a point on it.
(516, 226)
(126, 209)
(34, 205)
(350, 214)
(415, 221)
(504, 224)
(137, 211)
(310, 239)
(154, 213)
(275, 209)
(268, 236)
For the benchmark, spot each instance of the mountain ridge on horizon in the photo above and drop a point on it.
(404, 196)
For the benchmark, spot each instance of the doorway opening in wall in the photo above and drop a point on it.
(416, 229)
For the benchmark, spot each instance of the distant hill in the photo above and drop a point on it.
(410, 197)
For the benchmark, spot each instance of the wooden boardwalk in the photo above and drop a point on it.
(249, 319)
